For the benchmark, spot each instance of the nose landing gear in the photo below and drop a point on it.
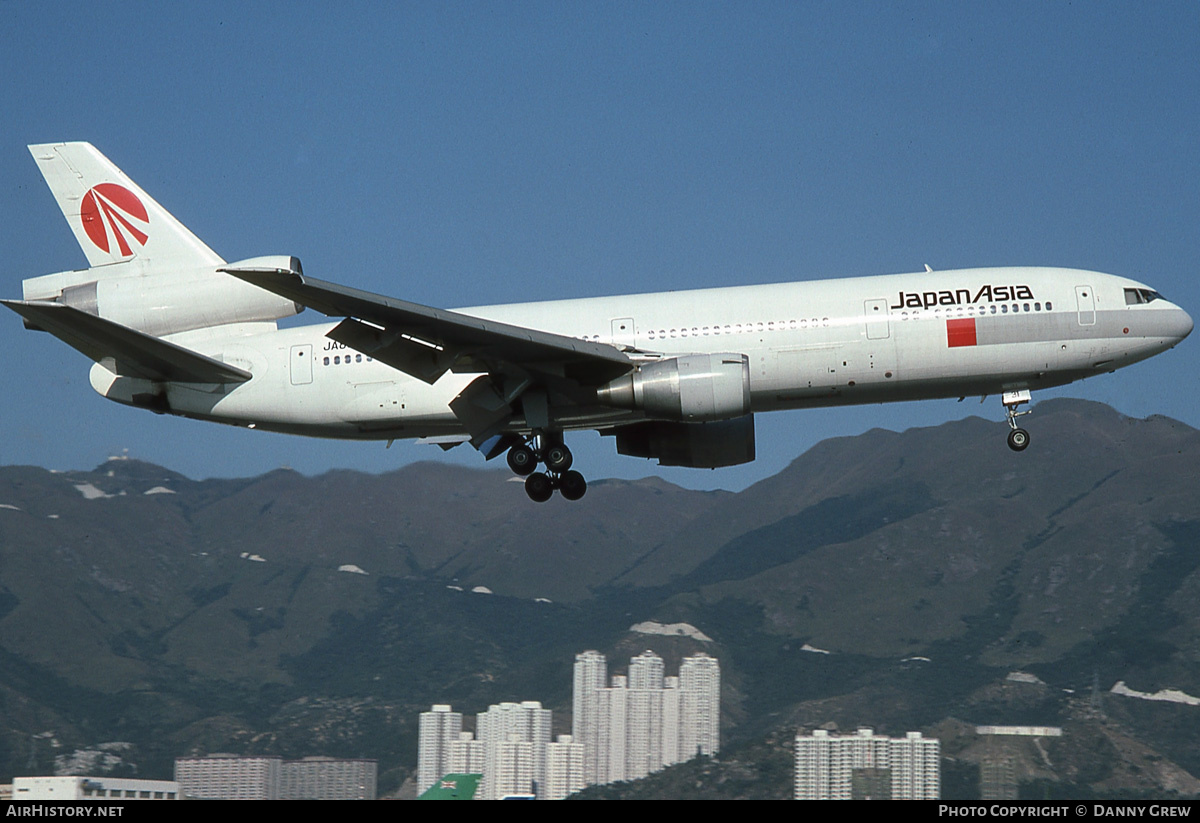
(1018, 438)
(551, 452)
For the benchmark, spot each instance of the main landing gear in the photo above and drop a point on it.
(1018, 439)
(551, 452)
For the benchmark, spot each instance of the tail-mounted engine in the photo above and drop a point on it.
(161, 303)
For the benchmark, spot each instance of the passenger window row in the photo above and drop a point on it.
(339, 359)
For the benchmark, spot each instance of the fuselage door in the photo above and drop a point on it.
(623, 332)
(302, 366)
(875, 313)
(1085, 299)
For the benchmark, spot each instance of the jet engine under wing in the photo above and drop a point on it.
(426, 342)
(123, 350)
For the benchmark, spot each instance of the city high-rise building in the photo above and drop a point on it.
(670, 721)
(645, 721)
(591, 675)
(514, 738)
(228, 777)
(636, 725)
(916, 767)
(232, 777)
(327, 778)
(440, 729)
(509, 771)
(646, 671)
(564, 768)
(864, 764)
(467, 755)
(700, 709)
(612, 741)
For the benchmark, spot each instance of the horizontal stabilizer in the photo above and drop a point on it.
(123, 350)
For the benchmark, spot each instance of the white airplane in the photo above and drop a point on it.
(676, 376)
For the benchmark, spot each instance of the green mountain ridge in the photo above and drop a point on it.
(300, 616)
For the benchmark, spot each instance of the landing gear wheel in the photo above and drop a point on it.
(572, 486)
(522, 460)
(557, 458)
(539, 487)
(1018, 439)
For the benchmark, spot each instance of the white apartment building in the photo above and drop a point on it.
(233, 777)
(671, 707)
(700, 709)
(229, 777)
(611, 734)
(830, 767)
(92, 788)
(564, 768)
(645, 721)
(632, 727)
(467, 755)
(591, 675)
(514, 738)
(328, 778)
(916, 768)
(441, 728)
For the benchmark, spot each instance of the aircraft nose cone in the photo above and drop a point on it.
(1183, 324)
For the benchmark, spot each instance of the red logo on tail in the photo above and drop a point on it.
(109, 207)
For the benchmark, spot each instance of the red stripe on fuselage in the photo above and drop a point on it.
(960, 332)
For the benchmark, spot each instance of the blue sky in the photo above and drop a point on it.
(461, 153)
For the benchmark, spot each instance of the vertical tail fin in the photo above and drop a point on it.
(113, 219)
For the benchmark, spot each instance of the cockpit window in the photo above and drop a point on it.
(1135, 297)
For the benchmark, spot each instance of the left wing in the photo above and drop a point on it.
(426, 343)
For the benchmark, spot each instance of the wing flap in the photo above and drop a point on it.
(123, 350)
(409, 355)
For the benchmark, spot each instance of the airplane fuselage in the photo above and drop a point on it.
(674, 376)
(809, 344)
